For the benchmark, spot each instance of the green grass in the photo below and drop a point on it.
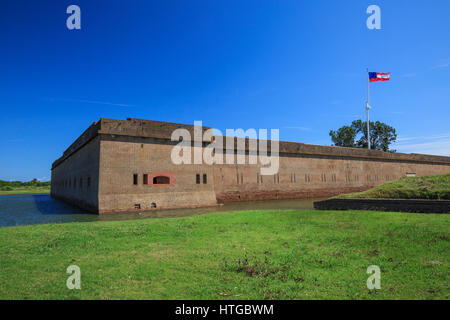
(18, 187)
(290, 254)
(429, 187)
(25, 190)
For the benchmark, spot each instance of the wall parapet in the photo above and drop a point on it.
(163, 130)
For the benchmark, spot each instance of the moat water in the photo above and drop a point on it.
(29, 209)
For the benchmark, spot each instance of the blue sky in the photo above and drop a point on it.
(294, 65)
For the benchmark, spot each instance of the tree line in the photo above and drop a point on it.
(31, 183)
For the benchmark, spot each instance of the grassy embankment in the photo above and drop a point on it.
(18, 187)
(430, 187)
(290, 254)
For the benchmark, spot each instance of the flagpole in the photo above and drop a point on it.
(367, 110)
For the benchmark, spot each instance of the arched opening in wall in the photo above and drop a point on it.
(153, 205)
(161, 180)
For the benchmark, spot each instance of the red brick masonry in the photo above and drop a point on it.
(96, 171)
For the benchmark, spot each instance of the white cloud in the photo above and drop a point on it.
(358, 116)
(92, 102)
(396, 112)
(435, 136)
(441, 148)
(438, 144)
(298, 128)
(443, 64)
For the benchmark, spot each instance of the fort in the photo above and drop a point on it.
(125, 166)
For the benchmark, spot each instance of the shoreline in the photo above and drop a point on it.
(16, 194)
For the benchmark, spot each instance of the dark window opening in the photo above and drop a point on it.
(205, 178)
(161, 180)
(89, 181)
(145, 179)
(135, 179)
(197, 178)
(137, 206)
(153, 205)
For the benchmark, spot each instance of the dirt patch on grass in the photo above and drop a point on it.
(256, 267)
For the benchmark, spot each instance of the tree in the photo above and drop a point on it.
(381, 135)
(344, 137)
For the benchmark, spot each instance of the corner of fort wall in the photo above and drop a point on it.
(75, 179)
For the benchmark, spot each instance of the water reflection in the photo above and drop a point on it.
(38, 209)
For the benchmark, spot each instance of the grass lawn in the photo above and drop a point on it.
(429, 187)
(289, 254)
